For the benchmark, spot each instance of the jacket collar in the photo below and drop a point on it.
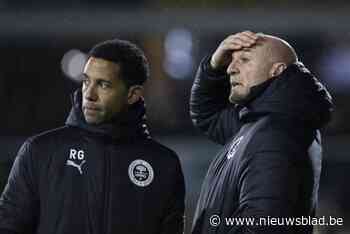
(296, 93)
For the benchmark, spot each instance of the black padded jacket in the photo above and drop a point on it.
(270, 164)
(80, 179)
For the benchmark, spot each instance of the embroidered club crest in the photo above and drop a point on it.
(141, 173)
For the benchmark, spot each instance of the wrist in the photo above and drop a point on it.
(212, 69)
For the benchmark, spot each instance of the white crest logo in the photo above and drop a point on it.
(141, 173)
(76, 155)
(233, 147)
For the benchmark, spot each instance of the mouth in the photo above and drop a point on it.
(234, 84)
(91, 108)
(233, 81)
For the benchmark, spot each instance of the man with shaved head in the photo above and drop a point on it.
(256, 98)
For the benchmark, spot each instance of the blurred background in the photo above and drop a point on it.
(42, 45)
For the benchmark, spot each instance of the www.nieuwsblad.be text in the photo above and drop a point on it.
(216, 220)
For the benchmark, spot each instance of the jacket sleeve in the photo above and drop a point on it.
(269, 185)
(174, 219)
(210, 109)
(19, 203)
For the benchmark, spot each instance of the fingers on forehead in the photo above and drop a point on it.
(232, 46)
(243, 37)
(250, 34)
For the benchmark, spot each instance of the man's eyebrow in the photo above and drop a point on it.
(103, 80)
(98, 79)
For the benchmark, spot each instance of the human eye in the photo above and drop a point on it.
(105, 85)
(244, 59)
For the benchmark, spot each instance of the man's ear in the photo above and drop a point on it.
(277, 69)
(135, 93)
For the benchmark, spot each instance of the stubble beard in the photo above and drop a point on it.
(237, 97)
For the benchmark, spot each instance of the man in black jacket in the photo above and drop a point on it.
(255, 98)
(101, 172)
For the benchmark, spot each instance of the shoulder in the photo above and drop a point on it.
(160, 150)
(38, 147)
(281, 135)
(52, 137)
(160, 155)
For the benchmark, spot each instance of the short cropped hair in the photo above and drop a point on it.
(131, 59)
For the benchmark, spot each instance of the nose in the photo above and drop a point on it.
(89, 92)
(232, 68)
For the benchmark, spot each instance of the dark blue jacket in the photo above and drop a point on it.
(271, 160)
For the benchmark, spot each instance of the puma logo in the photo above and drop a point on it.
(73, 164)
